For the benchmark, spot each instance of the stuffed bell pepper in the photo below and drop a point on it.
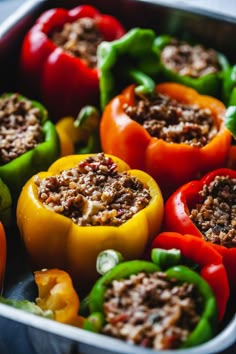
(127, 60)
(144, 304)
(82, 205)
(200, 256)
(192, 65)
(206, 208)
(28, 141)
(58, 57)
(174, 133)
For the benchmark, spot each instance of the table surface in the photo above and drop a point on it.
(8, 7)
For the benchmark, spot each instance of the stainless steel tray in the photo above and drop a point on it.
(23, 333)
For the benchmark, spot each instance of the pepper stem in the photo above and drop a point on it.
(146, 84)
(166, 258)
(88, 120)
(108, 259)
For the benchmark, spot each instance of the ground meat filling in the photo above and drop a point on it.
(173, 121)
(215, 216)
(81, 39)
(186, 60)
(94, 193)
(151, 310)
(20, 127)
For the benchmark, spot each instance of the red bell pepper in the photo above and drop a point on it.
(170, 164)
(177, 216)
(231, 162)
(62, 81)
(3, 254)
(206, 257)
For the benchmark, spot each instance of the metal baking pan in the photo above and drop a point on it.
(23, 333)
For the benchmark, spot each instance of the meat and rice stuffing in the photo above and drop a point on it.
(94, 193)
(190, 60)
(151, 310)
(215, 216)
(20, 127)
(173, 121)
(81, 39)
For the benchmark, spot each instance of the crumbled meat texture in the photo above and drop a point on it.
(151, 311)
(20, 127)
(94, 193)
(173, 121)
(81, 39)
(215, 216)
(186, 60)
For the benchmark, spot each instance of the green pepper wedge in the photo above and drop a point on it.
(210, 84)
(204, 330)
(16, 172)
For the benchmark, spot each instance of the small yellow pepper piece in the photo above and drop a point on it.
(56, 293)
(69, 135)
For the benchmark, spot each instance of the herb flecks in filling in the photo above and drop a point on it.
(81, 39)
(186, 60)
(94, 193)
(20, 127)
(173, 121)
(151, 310)
(215, 216)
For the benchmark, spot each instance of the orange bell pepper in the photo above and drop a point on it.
(54, 240)
(170, 164)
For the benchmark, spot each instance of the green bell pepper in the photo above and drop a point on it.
(210, 84)
(5, 204)
(127, 60)
(16, 172)
(230, 119)
(229, 86)
(204, 329)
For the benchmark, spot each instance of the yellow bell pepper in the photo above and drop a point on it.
(56, 293)
(80, 135)
(54, 240)
(69, 135)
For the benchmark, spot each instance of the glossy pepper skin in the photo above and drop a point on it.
(5, 204)
(210, 262)
(16, 172)
(170, 164)
(210, 84)
(79, 135)
(64, 82)
(229, 86)
(3, 254)
(177, 211)
(57, 299)
(230, 122)
(127, 60)
(56, 293)
(53, 240)
(203, 331)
